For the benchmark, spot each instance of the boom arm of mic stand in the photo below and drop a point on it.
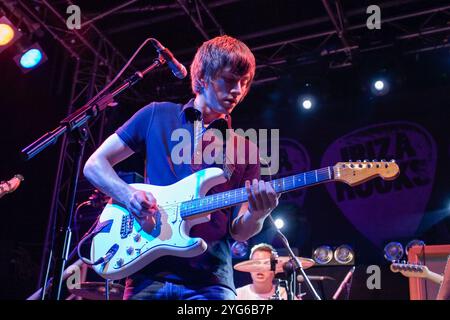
(298, 264)
(82, 115)
(68, 125)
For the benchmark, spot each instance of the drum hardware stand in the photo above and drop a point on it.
(107, 284)
(296, 266)
(276, 295)
(75, 126)
(296, 262)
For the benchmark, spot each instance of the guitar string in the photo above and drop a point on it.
(215, 197)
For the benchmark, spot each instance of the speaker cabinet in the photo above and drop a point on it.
(435, 258)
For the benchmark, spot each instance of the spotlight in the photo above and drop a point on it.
(414, 243)
(393, 251)
(323, 255)
(306, 102)
(279, 223)
(30, 58)
(344, 254)
(380, 87)
(239, 249)
(8, 33)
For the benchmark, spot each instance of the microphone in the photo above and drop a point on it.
(177, 68)
(300, 278)
(98, 199)
(344, 283)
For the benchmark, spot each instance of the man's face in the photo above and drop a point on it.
(225, 91)
(262, 277)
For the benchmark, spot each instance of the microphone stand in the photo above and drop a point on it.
(75, 126)
(297, 266)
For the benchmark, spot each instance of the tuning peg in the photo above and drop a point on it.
(374, 160)
(383, 160)
(365, 160)
(350, 160)
(392, 160)
(358, 160)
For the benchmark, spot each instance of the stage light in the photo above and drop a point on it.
(239, 249)
(279, 223)
(414, 243)
(30, 58)
(393, 251)
(379, 85)
(323, 255)
(307, 104)
(344, 254)
(8, 33)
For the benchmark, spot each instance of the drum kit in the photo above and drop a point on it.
(97, 290)
(279, 265)
(262, 265)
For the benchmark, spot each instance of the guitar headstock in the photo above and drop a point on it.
(410, 270)
(354, 173)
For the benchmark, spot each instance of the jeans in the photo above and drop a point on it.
(157, 290)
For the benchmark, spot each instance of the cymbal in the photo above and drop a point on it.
(96, 291)
(261, 265)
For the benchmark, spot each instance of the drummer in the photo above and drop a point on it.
(262, 287)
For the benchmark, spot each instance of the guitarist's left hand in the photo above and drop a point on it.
(262, 198)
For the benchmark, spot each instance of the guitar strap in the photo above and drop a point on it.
(222, 125)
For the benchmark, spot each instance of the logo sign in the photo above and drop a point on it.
(385, 210)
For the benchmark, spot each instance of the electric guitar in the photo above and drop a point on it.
(123, 247)
(10, 185)
(416, 271)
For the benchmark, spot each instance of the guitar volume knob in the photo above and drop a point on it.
(119, 262)
(137, 237)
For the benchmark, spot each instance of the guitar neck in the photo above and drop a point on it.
(196, 207)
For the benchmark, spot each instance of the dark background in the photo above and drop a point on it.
(32, 104)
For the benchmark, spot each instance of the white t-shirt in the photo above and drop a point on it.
(247, 293)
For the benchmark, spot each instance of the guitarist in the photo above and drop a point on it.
(221, 75)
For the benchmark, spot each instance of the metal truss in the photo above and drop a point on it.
(95, 62)
(343, 33)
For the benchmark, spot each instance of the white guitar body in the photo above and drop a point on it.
(121, 247)
(137, 248)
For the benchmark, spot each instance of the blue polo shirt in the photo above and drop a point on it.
(149, 131)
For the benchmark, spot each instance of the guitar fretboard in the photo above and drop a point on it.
(236, 196)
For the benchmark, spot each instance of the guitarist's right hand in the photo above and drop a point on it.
(143, 206)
